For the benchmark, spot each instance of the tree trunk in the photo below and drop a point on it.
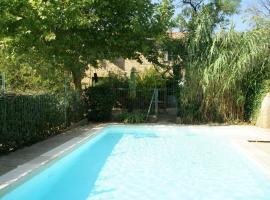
(77, 80)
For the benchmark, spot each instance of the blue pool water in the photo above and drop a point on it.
(146, 163)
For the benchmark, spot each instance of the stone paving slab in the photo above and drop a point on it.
(263, 146)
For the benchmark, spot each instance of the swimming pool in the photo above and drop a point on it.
(149, 163)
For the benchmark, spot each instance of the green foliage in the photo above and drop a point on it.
(114, 81)
(226, 76)
(264, 88)
(163, 42)
(166, 12)
(150, 79)
(70, 35)
(117, 81)
(115, 91)
(26, 119)
(233, 73)
(132, 84)
(133, 117)
(224, 70)
(76, 107)
(24, 77)
(190, 98)
(100, 101)
(197, 22)
(145, 84)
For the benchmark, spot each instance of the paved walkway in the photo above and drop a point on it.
(14, 159)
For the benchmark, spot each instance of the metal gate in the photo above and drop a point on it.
(161, 102)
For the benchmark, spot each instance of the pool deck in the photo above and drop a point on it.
(16, 165)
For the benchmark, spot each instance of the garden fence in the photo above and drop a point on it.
(26, 119)
(165, 98)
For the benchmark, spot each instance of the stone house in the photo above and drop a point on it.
(123, 66)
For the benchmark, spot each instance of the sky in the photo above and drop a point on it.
(239, 18)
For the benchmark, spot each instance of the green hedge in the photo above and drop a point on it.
(133, 118)
(26, 119)
(99, 100)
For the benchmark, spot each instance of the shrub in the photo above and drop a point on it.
(76, 108)
(99, 101)
(133, 118)
(149, 79)
(26, 119)
(117, 81)
(114, 81)
(261, 93)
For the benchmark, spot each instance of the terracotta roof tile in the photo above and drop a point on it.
(176, 35)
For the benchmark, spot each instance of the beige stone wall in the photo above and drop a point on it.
(118, 66)
(264, 115)
(123, 66)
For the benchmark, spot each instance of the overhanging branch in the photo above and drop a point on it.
(195, 6)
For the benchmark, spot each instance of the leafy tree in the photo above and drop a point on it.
(164, 43)
(197, 21)
(22, 77)
(72, 34)
(200, 19)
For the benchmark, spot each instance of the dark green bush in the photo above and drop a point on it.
(114, 81)
(133, 117)
(76, 107)
(117, 81)
(99, 101)
(26, 119)
(189, 106)
(150, 79)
